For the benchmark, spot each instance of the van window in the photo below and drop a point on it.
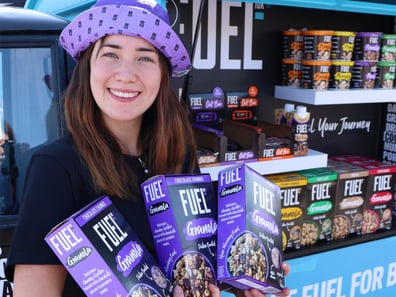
(29, 117)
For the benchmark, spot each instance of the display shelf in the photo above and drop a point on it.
(314, 159)
(324, 246)
(333, 96)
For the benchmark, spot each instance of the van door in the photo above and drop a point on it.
(33, 74)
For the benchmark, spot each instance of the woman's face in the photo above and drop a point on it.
(125, 78)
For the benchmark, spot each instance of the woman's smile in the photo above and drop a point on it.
(124, 94)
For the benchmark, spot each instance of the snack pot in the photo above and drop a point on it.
(103, 254)
(249, 240)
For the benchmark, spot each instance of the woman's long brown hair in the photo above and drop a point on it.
(166, 135)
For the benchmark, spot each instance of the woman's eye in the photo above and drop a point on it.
(146, 59)
(110, 55)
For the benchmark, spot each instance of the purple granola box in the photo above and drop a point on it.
(182, 211)
(103, 254)
(249, 242)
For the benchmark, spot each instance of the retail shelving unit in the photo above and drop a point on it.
(333, 96)
(313, 159)
(322, 256)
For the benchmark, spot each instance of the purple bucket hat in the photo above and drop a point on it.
(142, 18)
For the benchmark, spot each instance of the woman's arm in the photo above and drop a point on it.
(39, 280)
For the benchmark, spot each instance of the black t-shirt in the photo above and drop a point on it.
(57, 185)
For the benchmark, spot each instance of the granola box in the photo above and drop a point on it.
(351, 190)
(103, 254)
(377, 214)
(292, 188)
(318, 204)
(182, 212)
(249, 241)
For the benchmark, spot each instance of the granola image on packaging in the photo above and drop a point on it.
(249, 245)
(105, 257)
(182, 211)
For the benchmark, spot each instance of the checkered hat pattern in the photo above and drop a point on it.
(140, 18)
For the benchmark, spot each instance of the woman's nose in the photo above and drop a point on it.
(126, 72)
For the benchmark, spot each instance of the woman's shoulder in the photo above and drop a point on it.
(56, 158)
(62, 151)
(59, 148)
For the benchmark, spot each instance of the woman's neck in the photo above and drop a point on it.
(127, 135)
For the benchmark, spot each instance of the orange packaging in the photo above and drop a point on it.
(293, 45)
(315, 74)
(317, 44)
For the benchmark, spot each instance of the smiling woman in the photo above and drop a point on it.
(120, 109)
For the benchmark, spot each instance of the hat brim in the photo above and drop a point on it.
(97, 22)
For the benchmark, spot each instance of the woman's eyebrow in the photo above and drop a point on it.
(146, 49)
(110, 45)
(119, 47)
(139, 49)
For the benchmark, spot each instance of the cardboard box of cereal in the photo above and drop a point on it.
(249, 253)
(102, 253)
(182, 211)
(293, 187)
(350, 199)
(319, 205)
(377, 214)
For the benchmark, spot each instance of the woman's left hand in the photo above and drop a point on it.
(215, 291)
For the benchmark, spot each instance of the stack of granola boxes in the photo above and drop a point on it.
(378, 195)
(307, 199)
(232, 236)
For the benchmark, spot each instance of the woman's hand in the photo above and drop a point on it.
(256, 293)
(214, 291)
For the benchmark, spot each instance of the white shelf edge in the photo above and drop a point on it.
(314, 159)
(333, 96)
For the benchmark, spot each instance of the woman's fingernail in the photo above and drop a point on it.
(178, 290)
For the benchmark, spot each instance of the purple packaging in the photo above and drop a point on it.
(207, 108)
(103, 254)
(182, 212)
(367, 46)
(249, 240)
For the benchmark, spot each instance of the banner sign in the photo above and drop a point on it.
(367, 269)
(362, 270)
